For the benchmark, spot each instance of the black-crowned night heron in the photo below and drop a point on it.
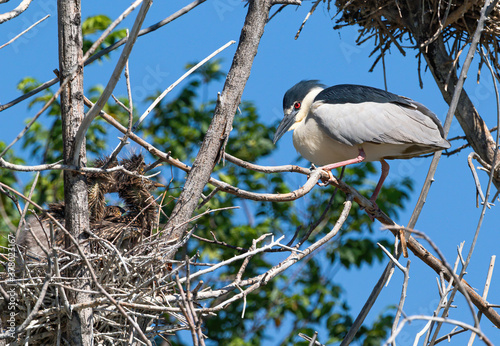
(346, 124)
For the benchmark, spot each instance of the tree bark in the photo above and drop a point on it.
(422, 28)
(79, 328)
(221, 125)
(475, 129)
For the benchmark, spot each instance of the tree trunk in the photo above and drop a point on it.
(79, 329)
(475, 129)
(221, 125)
(423, 27)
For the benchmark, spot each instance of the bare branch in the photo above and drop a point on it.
(286, 2)
(105, 51)
(312, 341)
(32, 121)
(292, 259)
(479, 190)
(461, 284)
(449, 117)
(213, 146)
(171, 87)
(110, 28)
(130, 110)
(187, 312)
(63, 167)
(311, 11)
(490, 181)
(409, 319)
(23, 6)
(485, 293)
(406, 272)
(24, 31)
(94, 111)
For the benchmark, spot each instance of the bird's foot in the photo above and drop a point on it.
(326, 182)
(373, 211)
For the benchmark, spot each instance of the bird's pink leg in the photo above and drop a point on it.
(360, 158)
(385, 172)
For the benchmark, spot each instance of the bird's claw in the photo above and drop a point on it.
(326, 182)
(372, 212)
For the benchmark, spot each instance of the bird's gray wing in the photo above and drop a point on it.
(352, 114)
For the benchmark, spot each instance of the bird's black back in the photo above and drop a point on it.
(350, 93)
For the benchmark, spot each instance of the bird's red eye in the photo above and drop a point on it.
(296, 105)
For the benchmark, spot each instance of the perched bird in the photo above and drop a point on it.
(346, 124)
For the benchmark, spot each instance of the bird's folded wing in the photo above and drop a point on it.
(377, 122)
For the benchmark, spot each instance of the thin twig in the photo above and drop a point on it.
(460, 283)
(403, 297)
(130, 110)
(31, 122)
(491, 175)
(87, 263)
(311, 11)
(293, 258)
(218, 242)
(485, 293)
(409, 319)
(277, 11)
(115, 76)
(449, 117)
(186, 313)
(308, 338)
(479, 190)
(110, 28)
(63, 167)
(24, 31)
(171, 87)
(106, 50)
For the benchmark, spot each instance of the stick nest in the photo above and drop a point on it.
(140, 277)
(131, 262)
(397, 21)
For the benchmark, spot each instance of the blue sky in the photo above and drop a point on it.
(158, 59)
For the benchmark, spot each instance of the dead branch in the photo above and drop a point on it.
(24, 31)
(213, 146)
(106, 93)
(105, 51)
(409, 319)
(23, 6)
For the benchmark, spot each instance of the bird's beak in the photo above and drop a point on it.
(284, 126)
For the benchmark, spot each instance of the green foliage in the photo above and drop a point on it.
(308, 297)
(93, 26)
(376, 335)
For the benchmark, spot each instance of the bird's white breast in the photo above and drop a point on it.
(319, 148)
(314, 145)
